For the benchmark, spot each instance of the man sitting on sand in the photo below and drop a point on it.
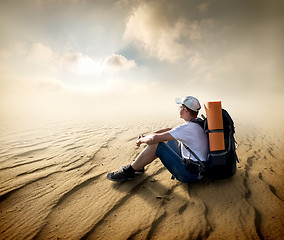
(168, 145)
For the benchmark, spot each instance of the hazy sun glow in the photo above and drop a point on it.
(87, 66)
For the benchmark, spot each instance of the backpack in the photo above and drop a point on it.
(220, 164)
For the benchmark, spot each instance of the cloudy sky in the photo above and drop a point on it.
(124, 55)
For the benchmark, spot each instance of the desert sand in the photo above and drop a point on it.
(53, 186)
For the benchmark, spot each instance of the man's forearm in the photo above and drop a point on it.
(163, 130)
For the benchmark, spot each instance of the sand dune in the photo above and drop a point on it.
(53, 186)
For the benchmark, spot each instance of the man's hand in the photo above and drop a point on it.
(154, 138)
(138, 142)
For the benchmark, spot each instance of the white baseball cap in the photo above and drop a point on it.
(189, 101)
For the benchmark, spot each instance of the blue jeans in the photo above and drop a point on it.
(170, 155)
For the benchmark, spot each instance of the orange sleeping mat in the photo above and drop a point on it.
(215, 122)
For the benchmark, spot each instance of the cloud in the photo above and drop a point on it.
(76, 62)
(41, 53)
(152, 29)
(196, 60)
(69, 60)
(118, 62)
(42, 3)
(85, 65)
(203, 7)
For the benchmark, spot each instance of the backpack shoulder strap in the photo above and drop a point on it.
(199, 121)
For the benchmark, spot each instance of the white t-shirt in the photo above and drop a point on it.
(193, 136)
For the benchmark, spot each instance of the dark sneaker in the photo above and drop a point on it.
(122, 175)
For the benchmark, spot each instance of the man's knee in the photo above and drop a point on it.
(151, 149)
